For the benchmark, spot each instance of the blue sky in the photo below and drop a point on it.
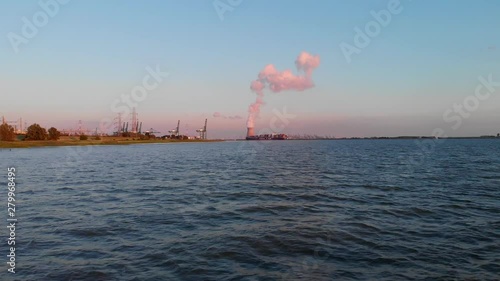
(427, 58)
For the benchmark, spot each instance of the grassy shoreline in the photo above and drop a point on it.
(66, 141)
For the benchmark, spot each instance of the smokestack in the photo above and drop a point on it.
(250, 132)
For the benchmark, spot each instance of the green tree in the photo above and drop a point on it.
(54, 134)
(83, 137)
(7, 132)
(36, 132)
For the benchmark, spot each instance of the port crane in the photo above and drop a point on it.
(203, 131)
(176, 130)
(151, 131)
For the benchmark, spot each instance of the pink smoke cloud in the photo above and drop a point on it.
(307, 63)
(278, 81)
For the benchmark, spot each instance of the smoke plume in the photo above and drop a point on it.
(278, 81)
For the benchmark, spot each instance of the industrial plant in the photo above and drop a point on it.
(252, 136)
(121, 128)
(18, 125)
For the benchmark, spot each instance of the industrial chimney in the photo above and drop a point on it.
(250, 132)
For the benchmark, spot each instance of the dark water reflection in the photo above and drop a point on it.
(277, 210)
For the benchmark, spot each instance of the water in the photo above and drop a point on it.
(275, 210)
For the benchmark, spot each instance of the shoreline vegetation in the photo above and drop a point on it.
(105, 140)
(37, 136)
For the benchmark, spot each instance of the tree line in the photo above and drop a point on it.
(34, 132)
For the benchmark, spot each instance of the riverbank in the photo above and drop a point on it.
(75, 141)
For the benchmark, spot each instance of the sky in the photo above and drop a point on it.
(419, 72)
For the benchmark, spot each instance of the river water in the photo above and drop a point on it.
(263, 210)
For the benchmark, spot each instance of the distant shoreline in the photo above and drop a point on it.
(416, 138)
(129, 141)
(379, 138)
(103, 141)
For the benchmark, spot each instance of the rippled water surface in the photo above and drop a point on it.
(270, 210)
